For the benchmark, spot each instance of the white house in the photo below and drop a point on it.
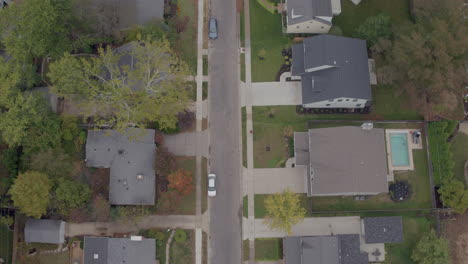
(334, 72)
(311, 16)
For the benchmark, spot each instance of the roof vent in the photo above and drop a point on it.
(140, 177)
(136, 238)
(125, 182)
(95, 256)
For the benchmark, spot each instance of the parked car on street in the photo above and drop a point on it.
(213, 28)
(211, 185)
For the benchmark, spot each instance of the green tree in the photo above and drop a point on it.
(284, 210)
(36, 28)
(431, 250)
(454, 195)
(30, 193)
(53, 162)
(70, 195)
(120, 93)
(375, 27)
(426, 59)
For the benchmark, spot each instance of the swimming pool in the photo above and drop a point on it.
(399, 145)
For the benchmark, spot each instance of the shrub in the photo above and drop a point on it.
(180, 236)
(10, 161)
(374, 28)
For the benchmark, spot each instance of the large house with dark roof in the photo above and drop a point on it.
(130, 157)
(311, 16)
(367, 246)
(345, 160)
(104, 250)
(334, 72)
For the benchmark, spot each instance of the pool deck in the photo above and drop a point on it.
(411, 146)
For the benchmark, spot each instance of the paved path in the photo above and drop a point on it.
(188, 144)
(276, 93)
(311, 226)
(168, 245)
(146, 222)
(268, 181)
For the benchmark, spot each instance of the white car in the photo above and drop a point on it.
(211, 185)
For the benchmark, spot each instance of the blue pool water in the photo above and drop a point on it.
(399, 144)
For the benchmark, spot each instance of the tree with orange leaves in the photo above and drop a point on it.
(181, 181)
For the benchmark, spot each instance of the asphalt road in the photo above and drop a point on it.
(225, 221)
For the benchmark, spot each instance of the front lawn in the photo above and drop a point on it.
(268, 249)
(459, 148)
(6, 240)
(187, 39)
(352, 16)
(183, 252)
(266, 33)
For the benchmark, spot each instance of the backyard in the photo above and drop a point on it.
(459, 149)
(269, 123)
(266, 33)
(352, 16)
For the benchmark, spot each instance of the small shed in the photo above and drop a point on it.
(44, 231)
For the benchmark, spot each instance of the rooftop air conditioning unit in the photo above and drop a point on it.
(136, 238)
(140, 177)
(367, 126)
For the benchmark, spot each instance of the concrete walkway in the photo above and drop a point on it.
(268, 181)
(188, 144)
(311, 226)
(168, 245)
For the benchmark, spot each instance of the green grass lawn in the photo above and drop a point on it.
(266, 33)
(244, 136)
(6, 240)
(187, 41)
(58, 258)
(352, 16)
(268, 248)
(245, 206)
(183, 252)
(204, 187)
(459, 150)
(245, 250)
(387, 105)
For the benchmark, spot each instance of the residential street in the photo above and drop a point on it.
(224, 115)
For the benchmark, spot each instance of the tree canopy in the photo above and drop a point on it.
(36, 28)
(426, 59)
(431, 250)
(284, 210)
(374, 28)
(70, 195)
(30, 193)
(181, 181)
(138, 83)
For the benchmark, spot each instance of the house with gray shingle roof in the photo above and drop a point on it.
(340, 249)
(104, 250)
(130, 157)
(334, 72)
(44, 231)
(345, 160)
(312, 16)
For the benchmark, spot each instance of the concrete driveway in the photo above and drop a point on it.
(313, 226)
(276, 93)
(267, 181)
(187, 144)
